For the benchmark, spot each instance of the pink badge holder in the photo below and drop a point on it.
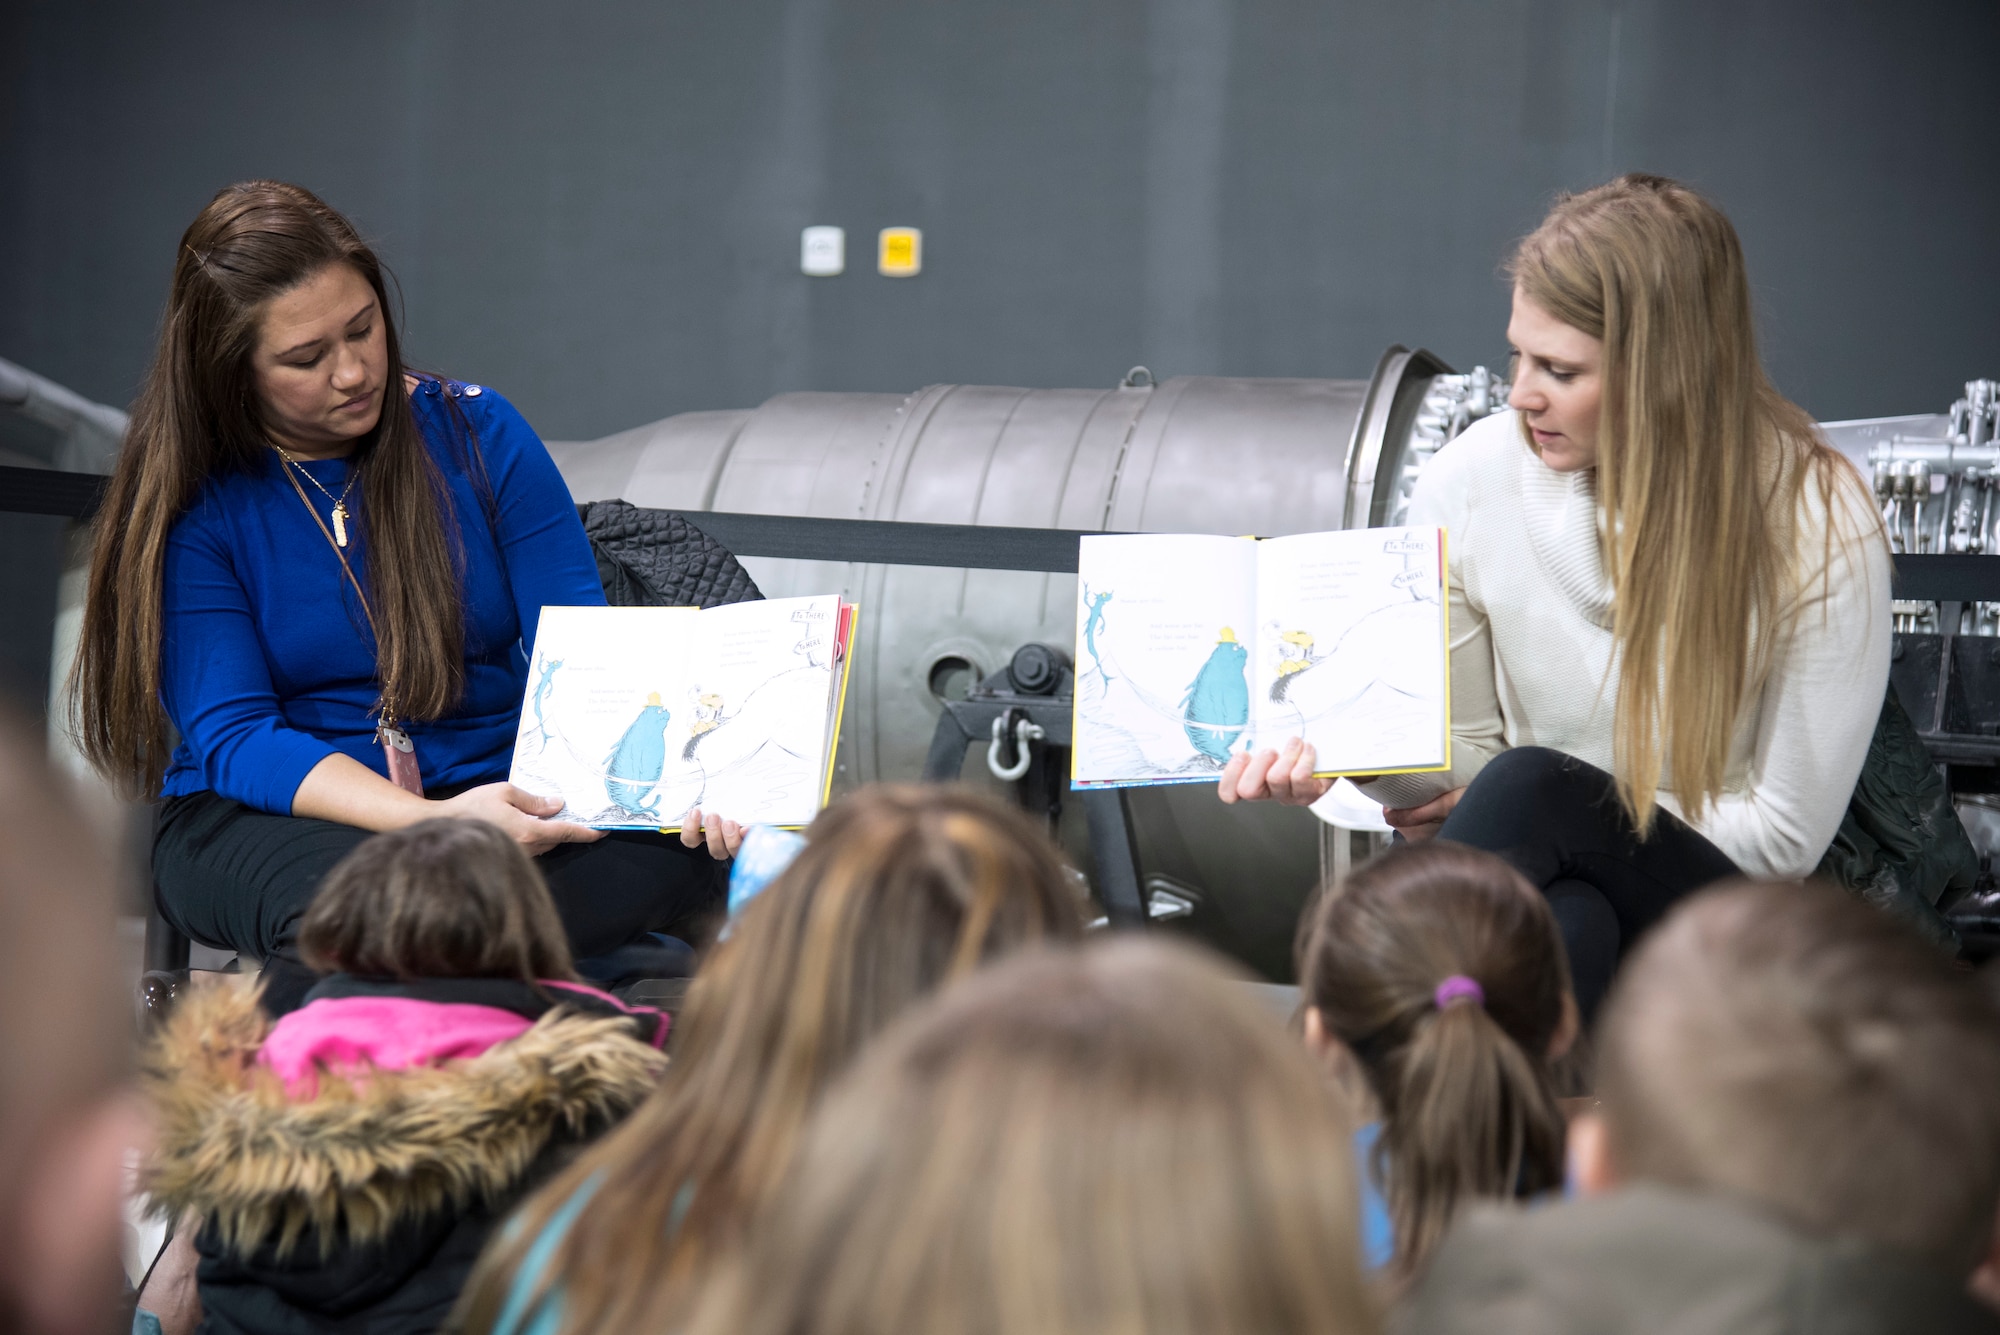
(402, 756)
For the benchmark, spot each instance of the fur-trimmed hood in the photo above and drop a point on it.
(372, 1152)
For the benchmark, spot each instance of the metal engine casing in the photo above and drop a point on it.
(1193, 454)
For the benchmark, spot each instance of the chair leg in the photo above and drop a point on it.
(166, 947)
(166, 972)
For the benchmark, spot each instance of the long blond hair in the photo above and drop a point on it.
(898, 891)
(1703, 470)
(1108, 1139)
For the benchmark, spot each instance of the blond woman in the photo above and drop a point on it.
(1669, 598)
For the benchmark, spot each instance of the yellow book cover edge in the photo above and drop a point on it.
(839, 714)
(840, 703)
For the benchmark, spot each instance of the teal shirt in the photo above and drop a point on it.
(546, 1317)
(1378, 1230)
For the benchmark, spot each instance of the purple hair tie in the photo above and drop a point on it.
(1458, 988)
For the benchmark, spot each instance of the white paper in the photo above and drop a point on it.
(636, 715)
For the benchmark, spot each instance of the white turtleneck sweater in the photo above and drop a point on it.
(1533, 662)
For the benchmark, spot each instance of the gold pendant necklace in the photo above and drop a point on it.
(340, 513)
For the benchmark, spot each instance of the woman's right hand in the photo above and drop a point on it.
(519, 814)
(1281, 776)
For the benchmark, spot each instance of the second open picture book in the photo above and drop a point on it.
(1191, 647)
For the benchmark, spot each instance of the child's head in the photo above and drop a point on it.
(438, 899)
(1791, 1046)
(1109, 1139)
(1441, 971)
(898, 892)
(65, 1128)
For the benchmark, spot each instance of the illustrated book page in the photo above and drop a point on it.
(1191, 647)
(1163, 625)
(636, 715)
(1352, 648)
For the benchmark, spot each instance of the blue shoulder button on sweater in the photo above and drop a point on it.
(267, 665)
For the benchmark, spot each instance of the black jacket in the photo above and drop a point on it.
(656, 558)
(364, 1207)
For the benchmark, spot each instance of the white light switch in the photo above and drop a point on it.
(822, 251)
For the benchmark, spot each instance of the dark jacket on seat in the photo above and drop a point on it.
(1664, 1262)
(359, 1202)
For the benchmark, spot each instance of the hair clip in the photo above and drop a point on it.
(1458, 988)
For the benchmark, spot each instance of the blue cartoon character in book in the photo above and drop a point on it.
(1092, 625)
(1217, 702)
(640, 758)
(548, 680)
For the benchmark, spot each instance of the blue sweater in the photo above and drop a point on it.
(267, 665)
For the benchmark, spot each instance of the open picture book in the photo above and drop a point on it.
(636, 715)
(1191, 647)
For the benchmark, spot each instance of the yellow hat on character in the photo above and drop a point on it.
(1297, 637)
(1228, 636)
(652, 697)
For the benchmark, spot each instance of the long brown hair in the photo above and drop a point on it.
(1703, 469)
(1117, 1138)
(197, 417)
(1468, 1106)
(438, 899)
(898, 891)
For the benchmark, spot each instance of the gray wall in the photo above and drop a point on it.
(595, 206)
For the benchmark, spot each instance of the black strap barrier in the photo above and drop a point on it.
(1948, 579)
(47, 491)
(885, 542)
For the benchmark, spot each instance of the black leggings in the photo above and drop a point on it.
(236, 878)
(1558, 820)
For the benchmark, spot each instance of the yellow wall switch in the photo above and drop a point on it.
(902, 253)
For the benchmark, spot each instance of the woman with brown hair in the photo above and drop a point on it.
(315, 584)
(1435, 988)
(898, 892)
(1669, 597)
(1111, 1139)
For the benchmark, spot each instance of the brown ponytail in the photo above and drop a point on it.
(1468, 1107)
(196, 417)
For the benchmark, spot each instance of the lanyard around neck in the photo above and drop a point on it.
(387, 712)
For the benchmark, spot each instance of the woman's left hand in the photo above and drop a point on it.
(1283, 776)
(724, 836)
(1421, 823)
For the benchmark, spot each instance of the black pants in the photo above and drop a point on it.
(235, 878)
(1558, 820)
